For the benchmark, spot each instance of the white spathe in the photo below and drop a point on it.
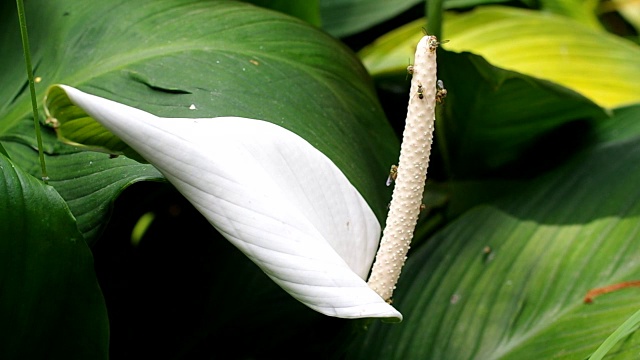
(273, 195)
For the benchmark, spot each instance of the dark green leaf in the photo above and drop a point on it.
(88, 181)
(346, 17)
(453, 4)
(583, 11)
(51, 307)
(3, 151)
(308, 10)
(623, 126)
(224, 58)
(507, 280)
(493, 117)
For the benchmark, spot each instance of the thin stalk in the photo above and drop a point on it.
(32, 88)
(434, 27)
(434, 18)
(441, 140)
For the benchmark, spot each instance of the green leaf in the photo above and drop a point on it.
(452, 4)
(75, 127)
(596, 64)
(582, 11)
(51, 304)
(3, 151)
(507, 280)
(308, 10)
(629, 326)
(507, 117)
(228, 59)
(623, 126)
(496, 121)
(342, 18)
(88, 181)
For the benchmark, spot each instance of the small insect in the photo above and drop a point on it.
(420, 91)
(422, 207)
(393, 174)
(441, 92)
(409, 69)
(434, 43)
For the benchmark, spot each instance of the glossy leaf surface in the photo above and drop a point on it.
(50, 296)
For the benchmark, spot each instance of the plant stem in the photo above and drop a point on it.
(434, 27)
(32, 88)
(434, 18)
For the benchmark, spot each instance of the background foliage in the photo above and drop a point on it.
(532, 194)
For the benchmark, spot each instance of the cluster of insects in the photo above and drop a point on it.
(441, 92)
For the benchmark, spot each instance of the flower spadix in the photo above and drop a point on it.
(273, 195)
(411, 172)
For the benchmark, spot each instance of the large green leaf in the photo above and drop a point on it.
(346, 17)
(583, 11)
(51, 307)
(88, 182)
(507, 280)
(308, 11)
(342, 18)
(598, 65)
(499, 121)
(183, 58)
(506, 116)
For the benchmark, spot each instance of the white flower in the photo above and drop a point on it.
(273, 195)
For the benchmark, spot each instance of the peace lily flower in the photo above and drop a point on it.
(273, 195)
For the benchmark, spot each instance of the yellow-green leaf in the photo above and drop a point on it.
(598, 65)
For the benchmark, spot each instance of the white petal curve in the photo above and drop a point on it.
(269, 192)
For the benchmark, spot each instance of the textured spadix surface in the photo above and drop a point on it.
(417, 137)
(268, 191)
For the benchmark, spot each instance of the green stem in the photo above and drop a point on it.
(441, 139)
(32, 88)
(434, 18)
(434, 27)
